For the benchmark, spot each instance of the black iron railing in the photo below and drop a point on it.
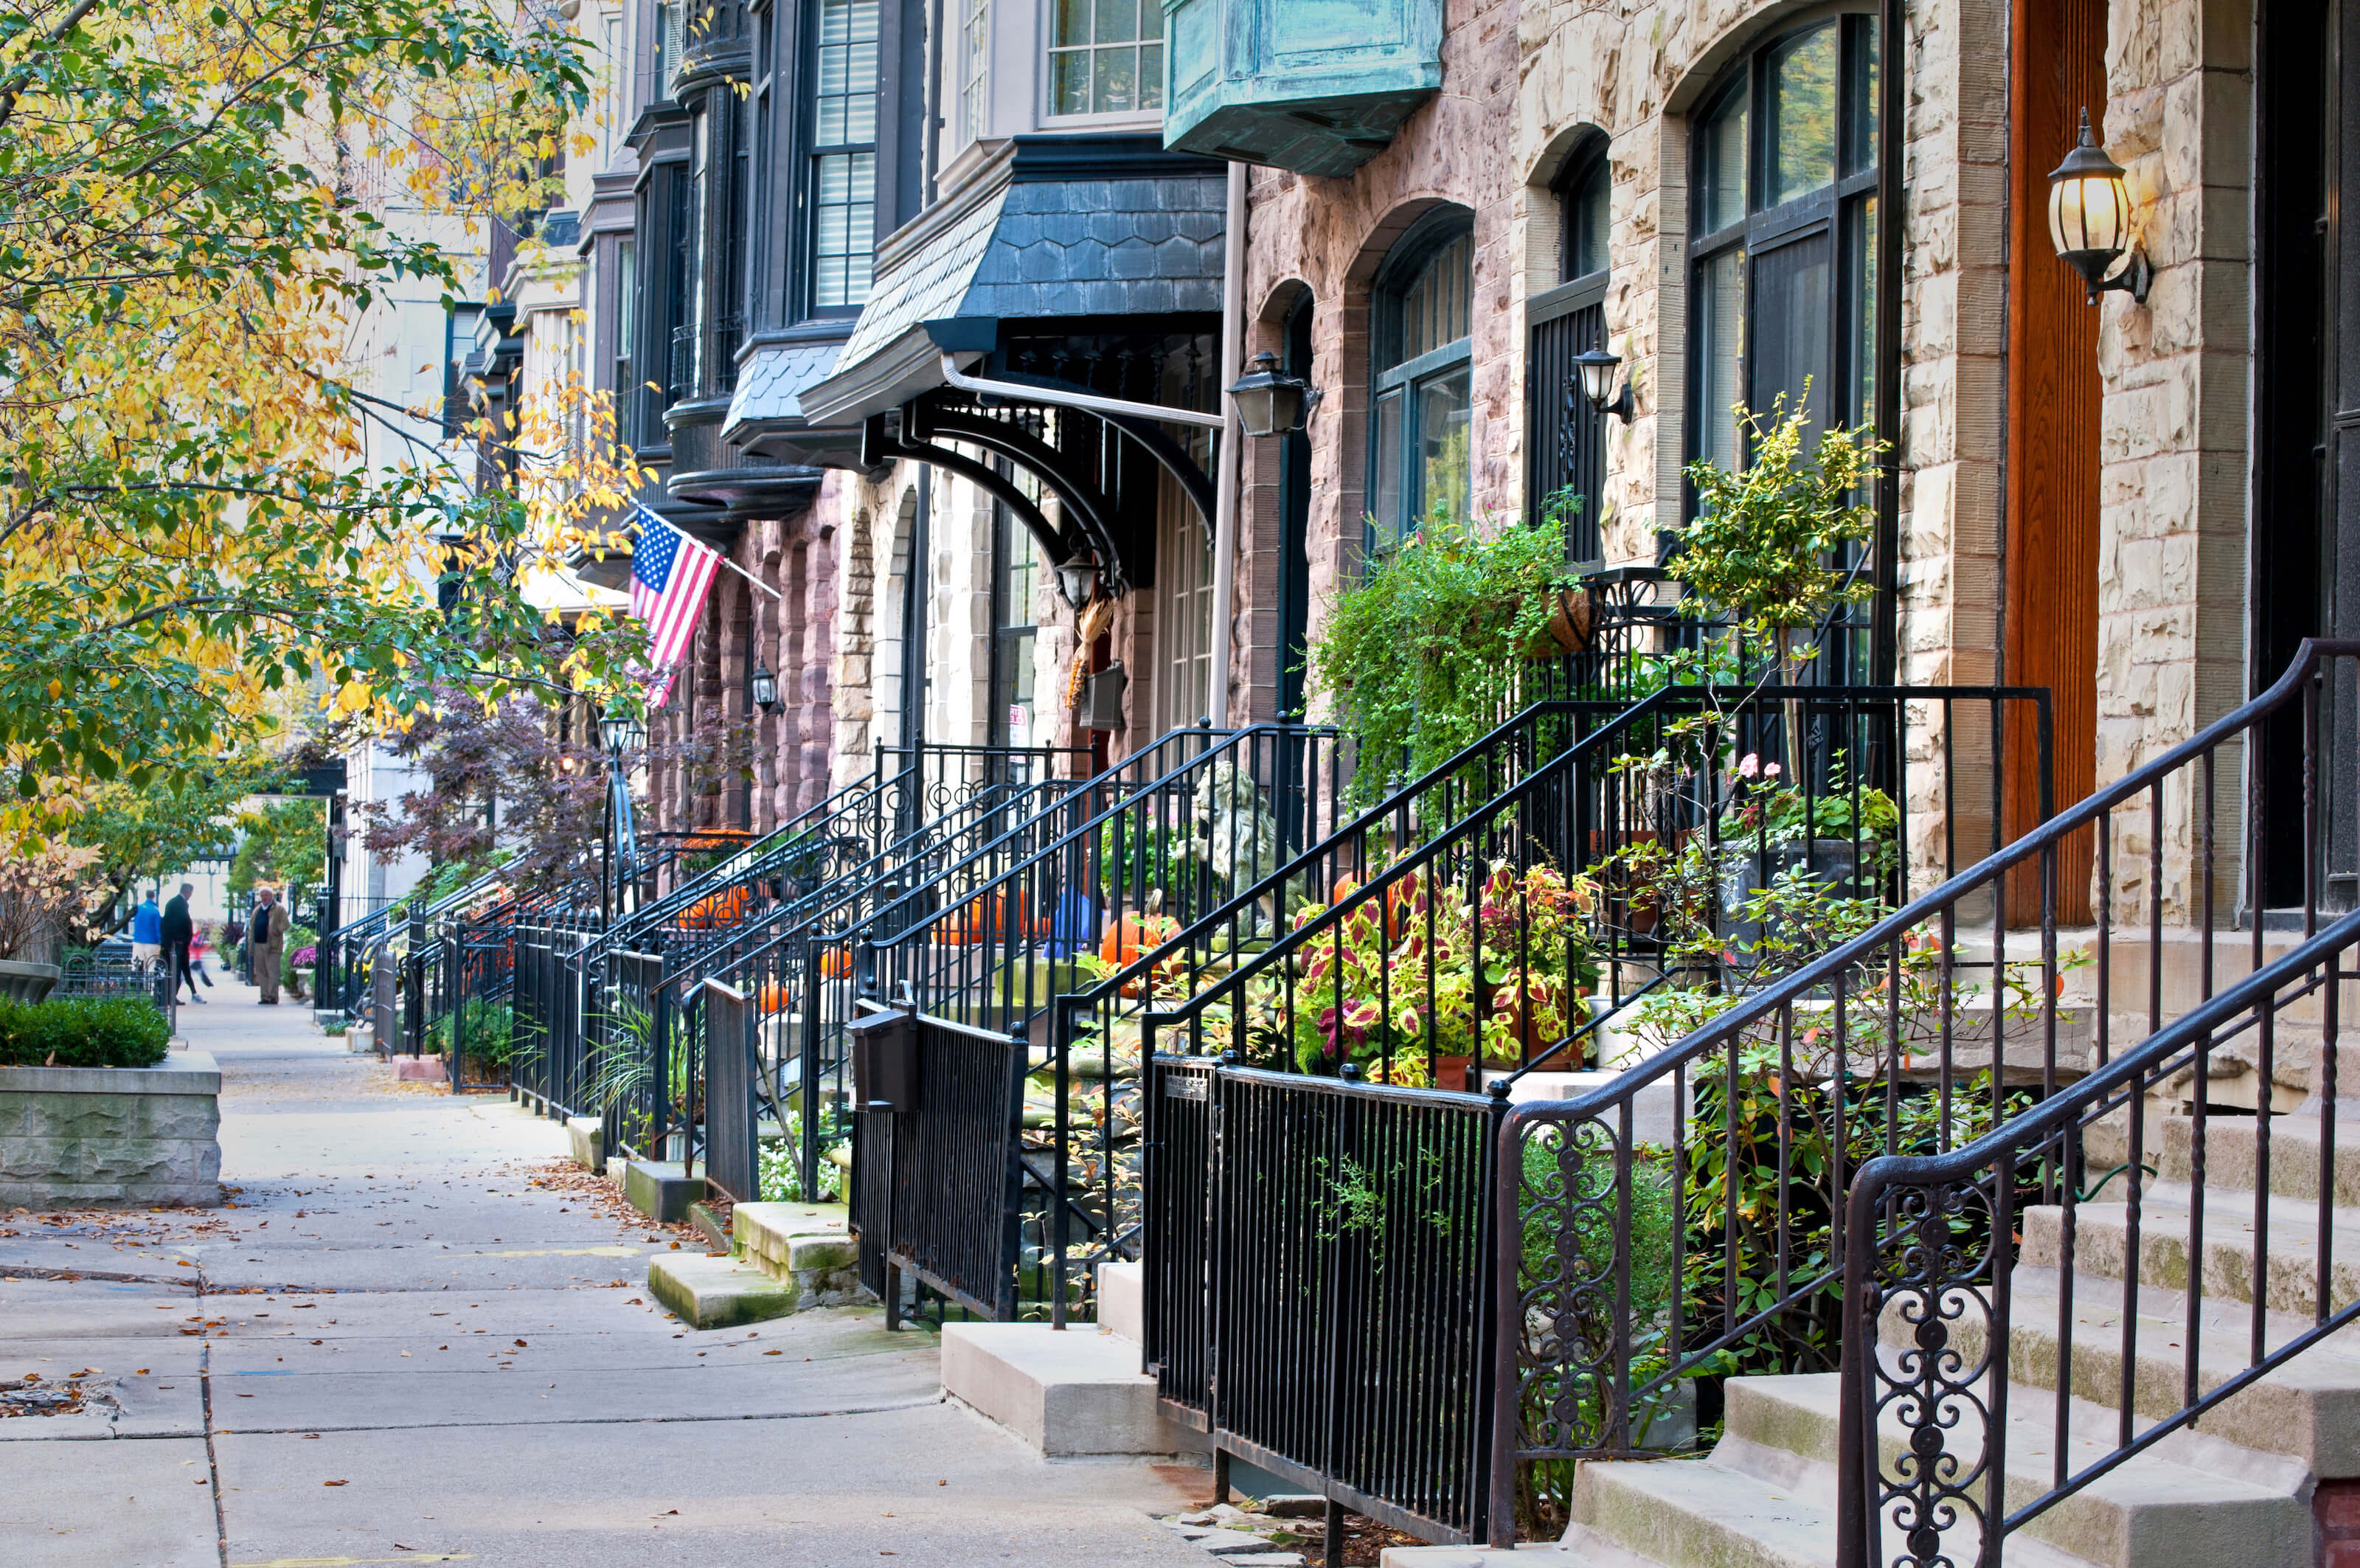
(787, 961)
(1490, 923)
(925, 1164)
(1316, 1258)
(88, 975)
(1885, 1158)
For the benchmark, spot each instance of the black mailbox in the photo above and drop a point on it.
(885, 1062)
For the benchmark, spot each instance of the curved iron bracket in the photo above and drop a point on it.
(1158, 444)
(877, 446)
(1084, 502)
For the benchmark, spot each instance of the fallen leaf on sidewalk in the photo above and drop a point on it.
(333, 1483)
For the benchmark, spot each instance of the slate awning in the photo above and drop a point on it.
(1052, 227)
(766, 418)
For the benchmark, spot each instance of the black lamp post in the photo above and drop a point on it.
(1270, 404)
(618, 733)
(1598, 368)
(2090, 220)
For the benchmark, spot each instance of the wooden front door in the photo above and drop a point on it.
(2051, 560)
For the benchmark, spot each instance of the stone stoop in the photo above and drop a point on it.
(585, 1138)
(1069, 1393)
(418, 1070)
(787, 1258)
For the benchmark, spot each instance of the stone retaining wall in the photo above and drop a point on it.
(77, 1137)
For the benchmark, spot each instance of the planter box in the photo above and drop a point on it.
(21, 981)
(100, 1138)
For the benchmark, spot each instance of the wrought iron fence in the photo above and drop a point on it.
(89, 975)
(1883, 1160)
(1317, 1263)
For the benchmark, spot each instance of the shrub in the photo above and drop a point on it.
(84, 1031)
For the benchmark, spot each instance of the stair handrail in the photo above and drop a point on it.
(1611, 1372)
(2308, 968)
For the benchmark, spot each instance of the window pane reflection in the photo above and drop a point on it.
(1444, 417)
(1720, 324)
(1799, 140)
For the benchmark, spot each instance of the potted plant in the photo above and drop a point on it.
(1424, 653)
(1419, 973)
(1768, 542)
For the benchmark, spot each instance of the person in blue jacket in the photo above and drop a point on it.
(146, 933)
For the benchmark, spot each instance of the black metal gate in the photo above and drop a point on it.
(729, 1115)
(937, 1187)
(1319, 1252)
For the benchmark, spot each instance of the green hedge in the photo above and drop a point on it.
(84, 1031)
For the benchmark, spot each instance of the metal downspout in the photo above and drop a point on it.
(1225, 492)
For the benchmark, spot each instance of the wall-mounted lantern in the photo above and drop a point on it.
(1270, 404)
(1078, 579)
(765, 688)
(1598, 368)
(2090, 220)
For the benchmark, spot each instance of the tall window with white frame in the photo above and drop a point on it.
(1422, 402)
(1782, 247)
(1106, 57)
(843, 156)
(975, 59)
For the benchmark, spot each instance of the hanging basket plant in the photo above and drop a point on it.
(1424, 654)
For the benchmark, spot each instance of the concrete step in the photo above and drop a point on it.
(2232, 1153)
(2308, 1410)
(808, 1246)
(1066, 1392)
(1122, 1301)
(708, 1292)
(2102, 1245)
(2204, 1505)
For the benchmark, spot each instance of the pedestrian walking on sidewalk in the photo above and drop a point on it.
(266, 945)
(178, 932)
(147, 934)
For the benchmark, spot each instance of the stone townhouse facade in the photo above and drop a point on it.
(2115, 497)
(2132, 502)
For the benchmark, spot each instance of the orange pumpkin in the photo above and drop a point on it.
(775, 997)
(835, 963)
(1136, 933)
(715, 910)
(984, 920)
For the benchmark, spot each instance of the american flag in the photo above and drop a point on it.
(669, 574)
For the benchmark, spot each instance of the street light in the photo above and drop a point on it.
(620, 732)
(2090, 220)
(765, 686)
(1598, 368)
(1270, 404)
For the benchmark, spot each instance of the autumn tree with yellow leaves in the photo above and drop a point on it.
(192, 553)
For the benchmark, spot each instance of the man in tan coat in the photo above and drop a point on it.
(266, 941)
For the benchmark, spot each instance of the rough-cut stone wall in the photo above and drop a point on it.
(108, 1137)
(1636, 73)
(1332, 234)
(2174, 496)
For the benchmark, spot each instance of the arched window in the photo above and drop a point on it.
(1422, 403)
(1781, 233)
(1564, 443)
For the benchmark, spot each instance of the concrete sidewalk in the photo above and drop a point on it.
(396, 1348)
